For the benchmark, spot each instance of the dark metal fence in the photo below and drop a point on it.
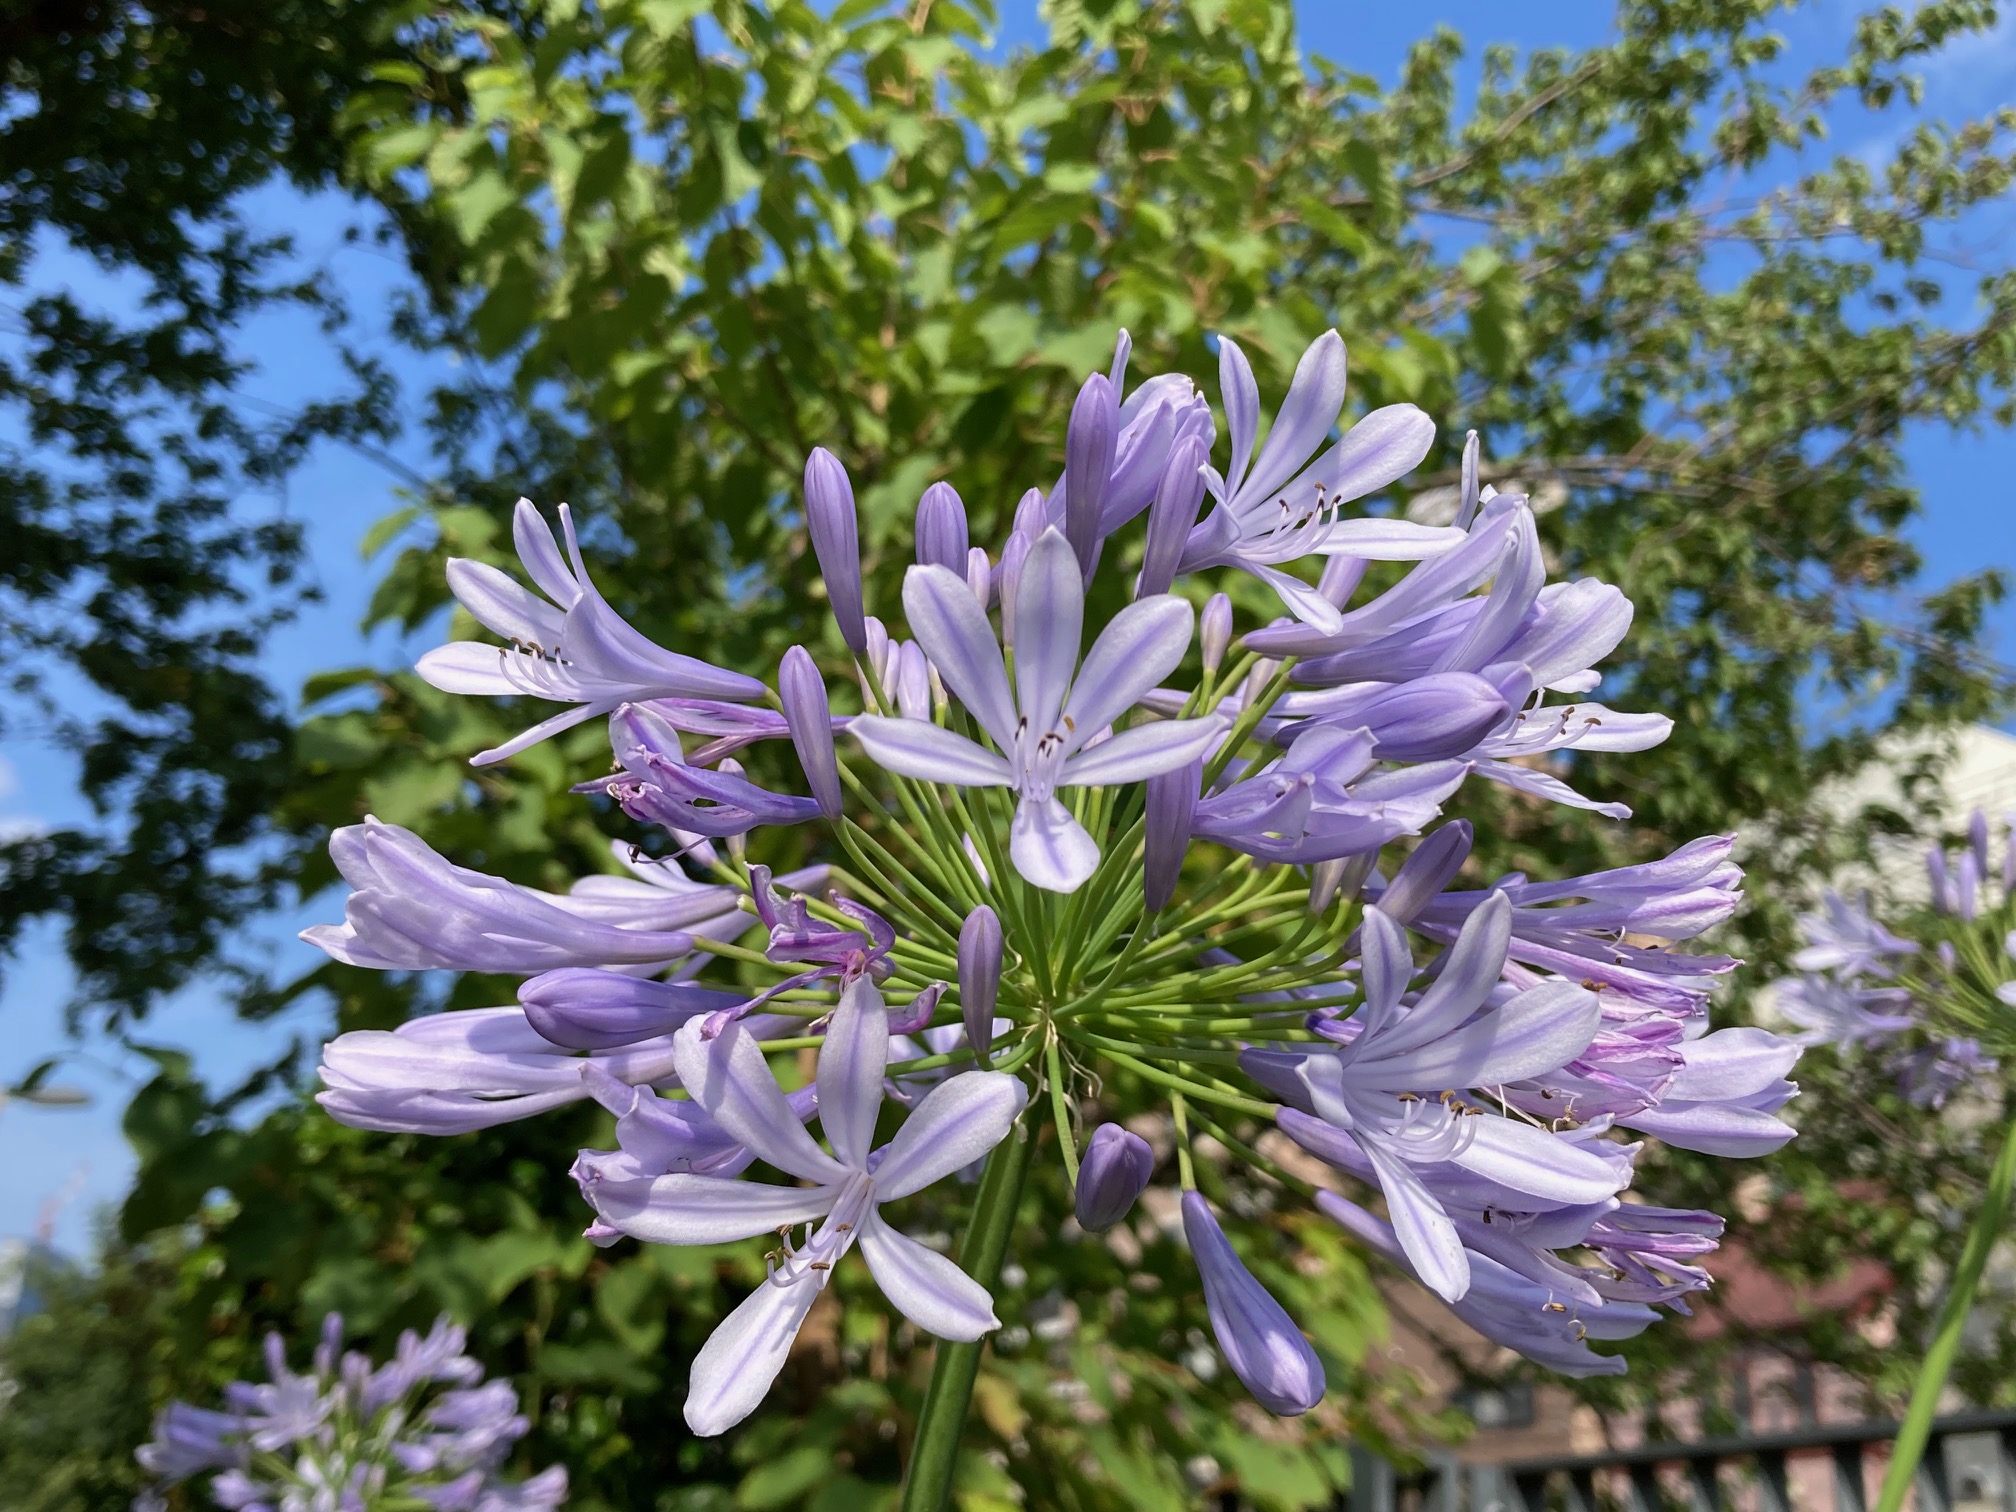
(1969, 1466)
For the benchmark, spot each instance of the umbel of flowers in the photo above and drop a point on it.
(1003, 916)
(423, 1430)
(1932, 992)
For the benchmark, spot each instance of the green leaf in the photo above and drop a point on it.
(666, 17)
(631, 1300)
(781, 1481)
(1009, 332)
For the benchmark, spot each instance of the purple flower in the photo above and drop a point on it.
(1045, 725)
(941, 529)
(474, 1068)
(660, 1136)
(414, 911)
(1323, 800)
(1215, 627)
(1509, 1309)
(575, 649)
(1286, 507)
(1172, 803)
(1931, 1075)
(1381, 1088)
(189, 1439)
(580, 1008)
(1089, 448)
(829, 518)
(1653, 1251)
(803, 694)
(1259, 1340)
(1172, 515)
(1165, 414)
(1831, 1012)
(1725, 1098)
(959, 1121)
(358, 1438)
(658, 785)
(1117, 1168)
(1677, 897)
(1431, 718)
(1846, 937)
(980, 950)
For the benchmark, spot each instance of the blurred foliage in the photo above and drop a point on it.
(128, 139)
(80, 1373)
(676, 243)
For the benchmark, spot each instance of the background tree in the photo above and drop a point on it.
(678, 244)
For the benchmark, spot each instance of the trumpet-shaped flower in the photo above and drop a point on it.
(1042, 731)
(1382, 1087)
(569, 646)
(960, 1120)
(1283, 506)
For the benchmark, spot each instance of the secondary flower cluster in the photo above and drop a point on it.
(422, 1430)
(1062, 856)
(1933, 1000)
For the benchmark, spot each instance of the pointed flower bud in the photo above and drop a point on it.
(1013, 555)
(829, 516)
(1172, 802)
(941, 528)
(1423, 875)
(803, 694)
(1089, 447)
(1116, 1170)
(1172, 515)
(1031, 515)
(980, 949)
(1214, 632)
(1345, 875)
(980, 575)
(1260, 1341)
(1466, 508)
(877, 654)
(913, 681)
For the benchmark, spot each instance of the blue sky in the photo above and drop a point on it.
(71, 1161)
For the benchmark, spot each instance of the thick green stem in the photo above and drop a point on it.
(1911, 1438)
(934, 1453)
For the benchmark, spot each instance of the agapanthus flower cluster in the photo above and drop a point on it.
(1932, 993)
(423, 1430)
(1058, 856)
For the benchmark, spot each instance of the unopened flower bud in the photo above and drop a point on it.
(1172, 802)
(1089, 447)
(1013, 555)
(980, 951)
(1214, 632)
(913, 680)
(980, 575)
(829, 516)
(1466, 509)
(941, 528)
(1116, 1170)
(1259, 1340)
(1172, 516)
(877, 654)
(1031, 515)
(1423, 875)
(1346, 875)
(803, 693)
